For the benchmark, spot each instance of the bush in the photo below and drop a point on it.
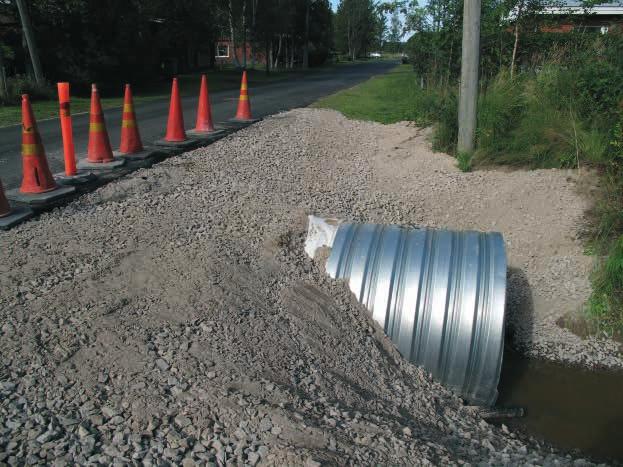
(21, 84)
(598, 78)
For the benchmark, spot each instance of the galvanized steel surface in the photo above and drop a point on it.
(439, 295)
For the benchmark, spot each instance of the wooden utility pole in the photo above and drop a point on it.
(306, 40)
(3, 86)
(30, 41)
(468, 97)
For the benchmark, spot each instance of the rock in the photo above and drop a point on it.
(83, 432)
(253, 458)
(182, 421)
(109, 411)
(265, 424)
(162, 365)
(117, 420)
(7, 386)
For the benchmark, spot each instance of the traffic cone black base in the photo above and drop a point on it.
(145, 153)
(206, 137)
(205, 134)
(243, 121)
(16, 216)
(85, 164)
(82, 177)
(179, 146)
(40, 199)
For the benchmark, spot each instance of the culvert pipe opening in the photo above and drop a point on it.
(438, 294)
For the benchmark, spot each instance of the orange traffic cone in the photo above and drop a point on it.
(38, 185)
(244, 105)
(130, 137)
(204, 128)
(37, 177)
(175, 124)
(204, 110)
(5, 209)
(99, 150)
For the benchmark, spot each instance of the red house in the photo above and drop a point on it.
(572, 15)
(226, 55)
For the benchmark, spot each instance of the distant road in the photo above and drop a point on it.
(265, 100)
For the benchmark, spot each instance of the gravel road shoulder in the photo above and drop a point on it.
(172, 317)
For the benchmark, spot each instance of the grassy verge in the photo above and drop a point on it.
(535, 121)
(388, 98)
(219, 80)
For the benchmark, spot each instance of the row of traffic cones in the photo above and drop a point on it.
(177, 136)
(40, 186)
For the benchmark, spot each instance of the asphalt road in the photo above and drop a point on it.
(152, 116)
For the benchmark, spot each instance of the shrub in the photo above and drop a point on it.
(22, 84)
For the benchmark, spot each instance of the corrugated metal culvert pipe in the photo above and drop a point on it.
(439, 295)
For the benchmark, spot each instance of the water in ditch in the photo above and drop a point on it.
(569, 408)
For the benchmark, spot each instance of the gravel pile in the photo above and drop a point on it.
(173, 318)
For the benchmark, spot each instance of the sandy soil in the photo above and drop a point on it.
(172, 317)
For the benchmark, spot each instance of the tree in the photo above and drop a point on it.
(116, 41)
(302, 34)
(306, 39)
(395, 29)
(355, 26)
(523, 11)
(380, 27)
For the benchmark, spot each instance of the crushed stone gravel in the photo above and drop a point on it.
(173, 318)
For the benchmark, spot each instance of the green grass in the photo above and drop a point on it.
(464, 161)
(219, 80)
(606, 303)
(387, 98)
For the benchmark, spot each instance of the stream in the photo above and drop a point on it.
(569, 408)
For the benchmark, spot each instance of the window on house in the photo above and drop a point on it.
(222, 50)
(595, 29)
